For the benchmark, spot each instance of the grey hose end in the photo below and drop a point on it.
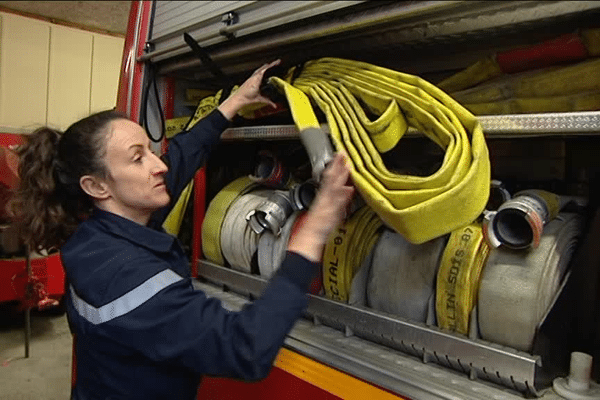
(319, 149)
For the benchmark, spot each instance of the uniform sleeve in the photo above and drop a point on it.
(182, 326)
(187, 152)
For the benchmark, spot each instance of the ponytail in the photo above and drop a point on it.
(42, 219)
(49, 203)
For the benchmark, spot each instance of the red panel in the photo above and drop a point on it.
(128, 48)
(129, 52)
(199, 208)
(168, 107)
(11, 139)
(13, 277)
(278, 385)
(55, 273)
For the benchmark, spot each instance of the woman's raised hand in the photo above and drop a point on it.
(247, 93)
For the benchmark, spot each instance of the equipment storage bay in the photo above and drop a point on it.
(468, 265)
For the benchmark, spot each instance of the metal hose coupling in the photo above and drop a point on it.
(303, 194)
(272, 213)
(519, 222)
(270, 171)
(498, 195)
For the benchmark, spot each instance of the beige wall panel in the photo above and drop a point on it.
(69, 76)
(106, 67)
(24, 49)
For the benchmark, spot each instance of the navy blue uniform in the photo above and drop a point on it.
(143, 331)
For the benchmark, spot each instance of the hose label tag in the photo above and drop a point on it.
(457, 251)
(333, 278)
(458, 277)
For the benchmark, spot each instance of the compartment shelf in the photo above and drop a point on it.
(583, 123)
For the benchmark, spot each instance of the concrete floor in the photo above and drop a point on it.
(46, 373)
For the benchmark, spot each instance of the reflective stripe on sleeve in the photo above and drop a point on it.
(126, 303)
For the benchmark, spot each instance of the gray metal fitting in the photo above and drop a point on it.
(271, 214)
(303, 194)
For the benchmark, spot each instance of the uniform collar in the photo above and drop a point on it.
(153, 239)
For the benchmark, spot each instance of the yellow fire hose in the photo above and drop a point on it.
(458, 277)
(215, 215)
(346, 249)
(172, 223)
(419, 208)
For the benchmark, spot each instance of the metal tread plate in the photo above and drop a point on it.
(382, 347)
(565, 123)
(582, 123)
(387, 368)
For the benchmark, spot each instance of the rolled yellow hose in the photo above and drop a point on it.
(346, 249)
(215, 215)
(419, 208)
(458, 277)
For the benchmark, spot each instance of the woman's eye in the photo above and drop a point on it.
(137, 158)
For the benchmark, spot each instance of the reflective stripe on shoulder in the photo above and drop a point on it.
(126, 303)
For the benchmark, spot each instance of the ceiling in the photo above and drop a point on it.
(109, 16)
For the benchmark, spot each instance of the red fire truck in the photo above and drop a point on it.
(525, 69)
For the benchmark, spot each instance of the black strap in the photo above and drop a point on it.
(151, 81)
(206, 60)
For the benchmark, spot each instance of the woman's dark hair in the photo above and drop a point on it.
(49, 203)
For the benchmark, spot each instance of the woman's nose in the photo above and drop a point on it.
(159, 166)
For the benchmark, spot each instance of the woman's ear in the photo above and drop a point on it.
(94, 187)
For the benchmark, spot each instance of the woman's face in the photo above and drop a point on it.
(135, 174)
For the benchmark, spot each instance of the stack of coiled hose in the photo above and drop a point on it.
(518, 287)
(455, 281)
(348, 93)
(239, 241)
(419, 239)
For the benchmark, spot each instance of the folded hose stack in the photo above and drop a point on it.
(453, 249)
(420, 208)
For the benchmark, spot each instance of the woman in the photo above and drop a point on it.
(99, 194)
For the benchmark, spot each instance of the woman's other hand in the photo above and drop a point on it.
(247, 93)
(326, 212)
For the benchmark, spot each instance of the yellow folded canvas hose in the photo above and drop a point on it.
(561, 50)
(402, 276)
(569, 103)
(215, 214)
(419, 208)
(458, 277)
(345, 250)
(172, 223)
(568, 80)
(517, 288)
(559, 89)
